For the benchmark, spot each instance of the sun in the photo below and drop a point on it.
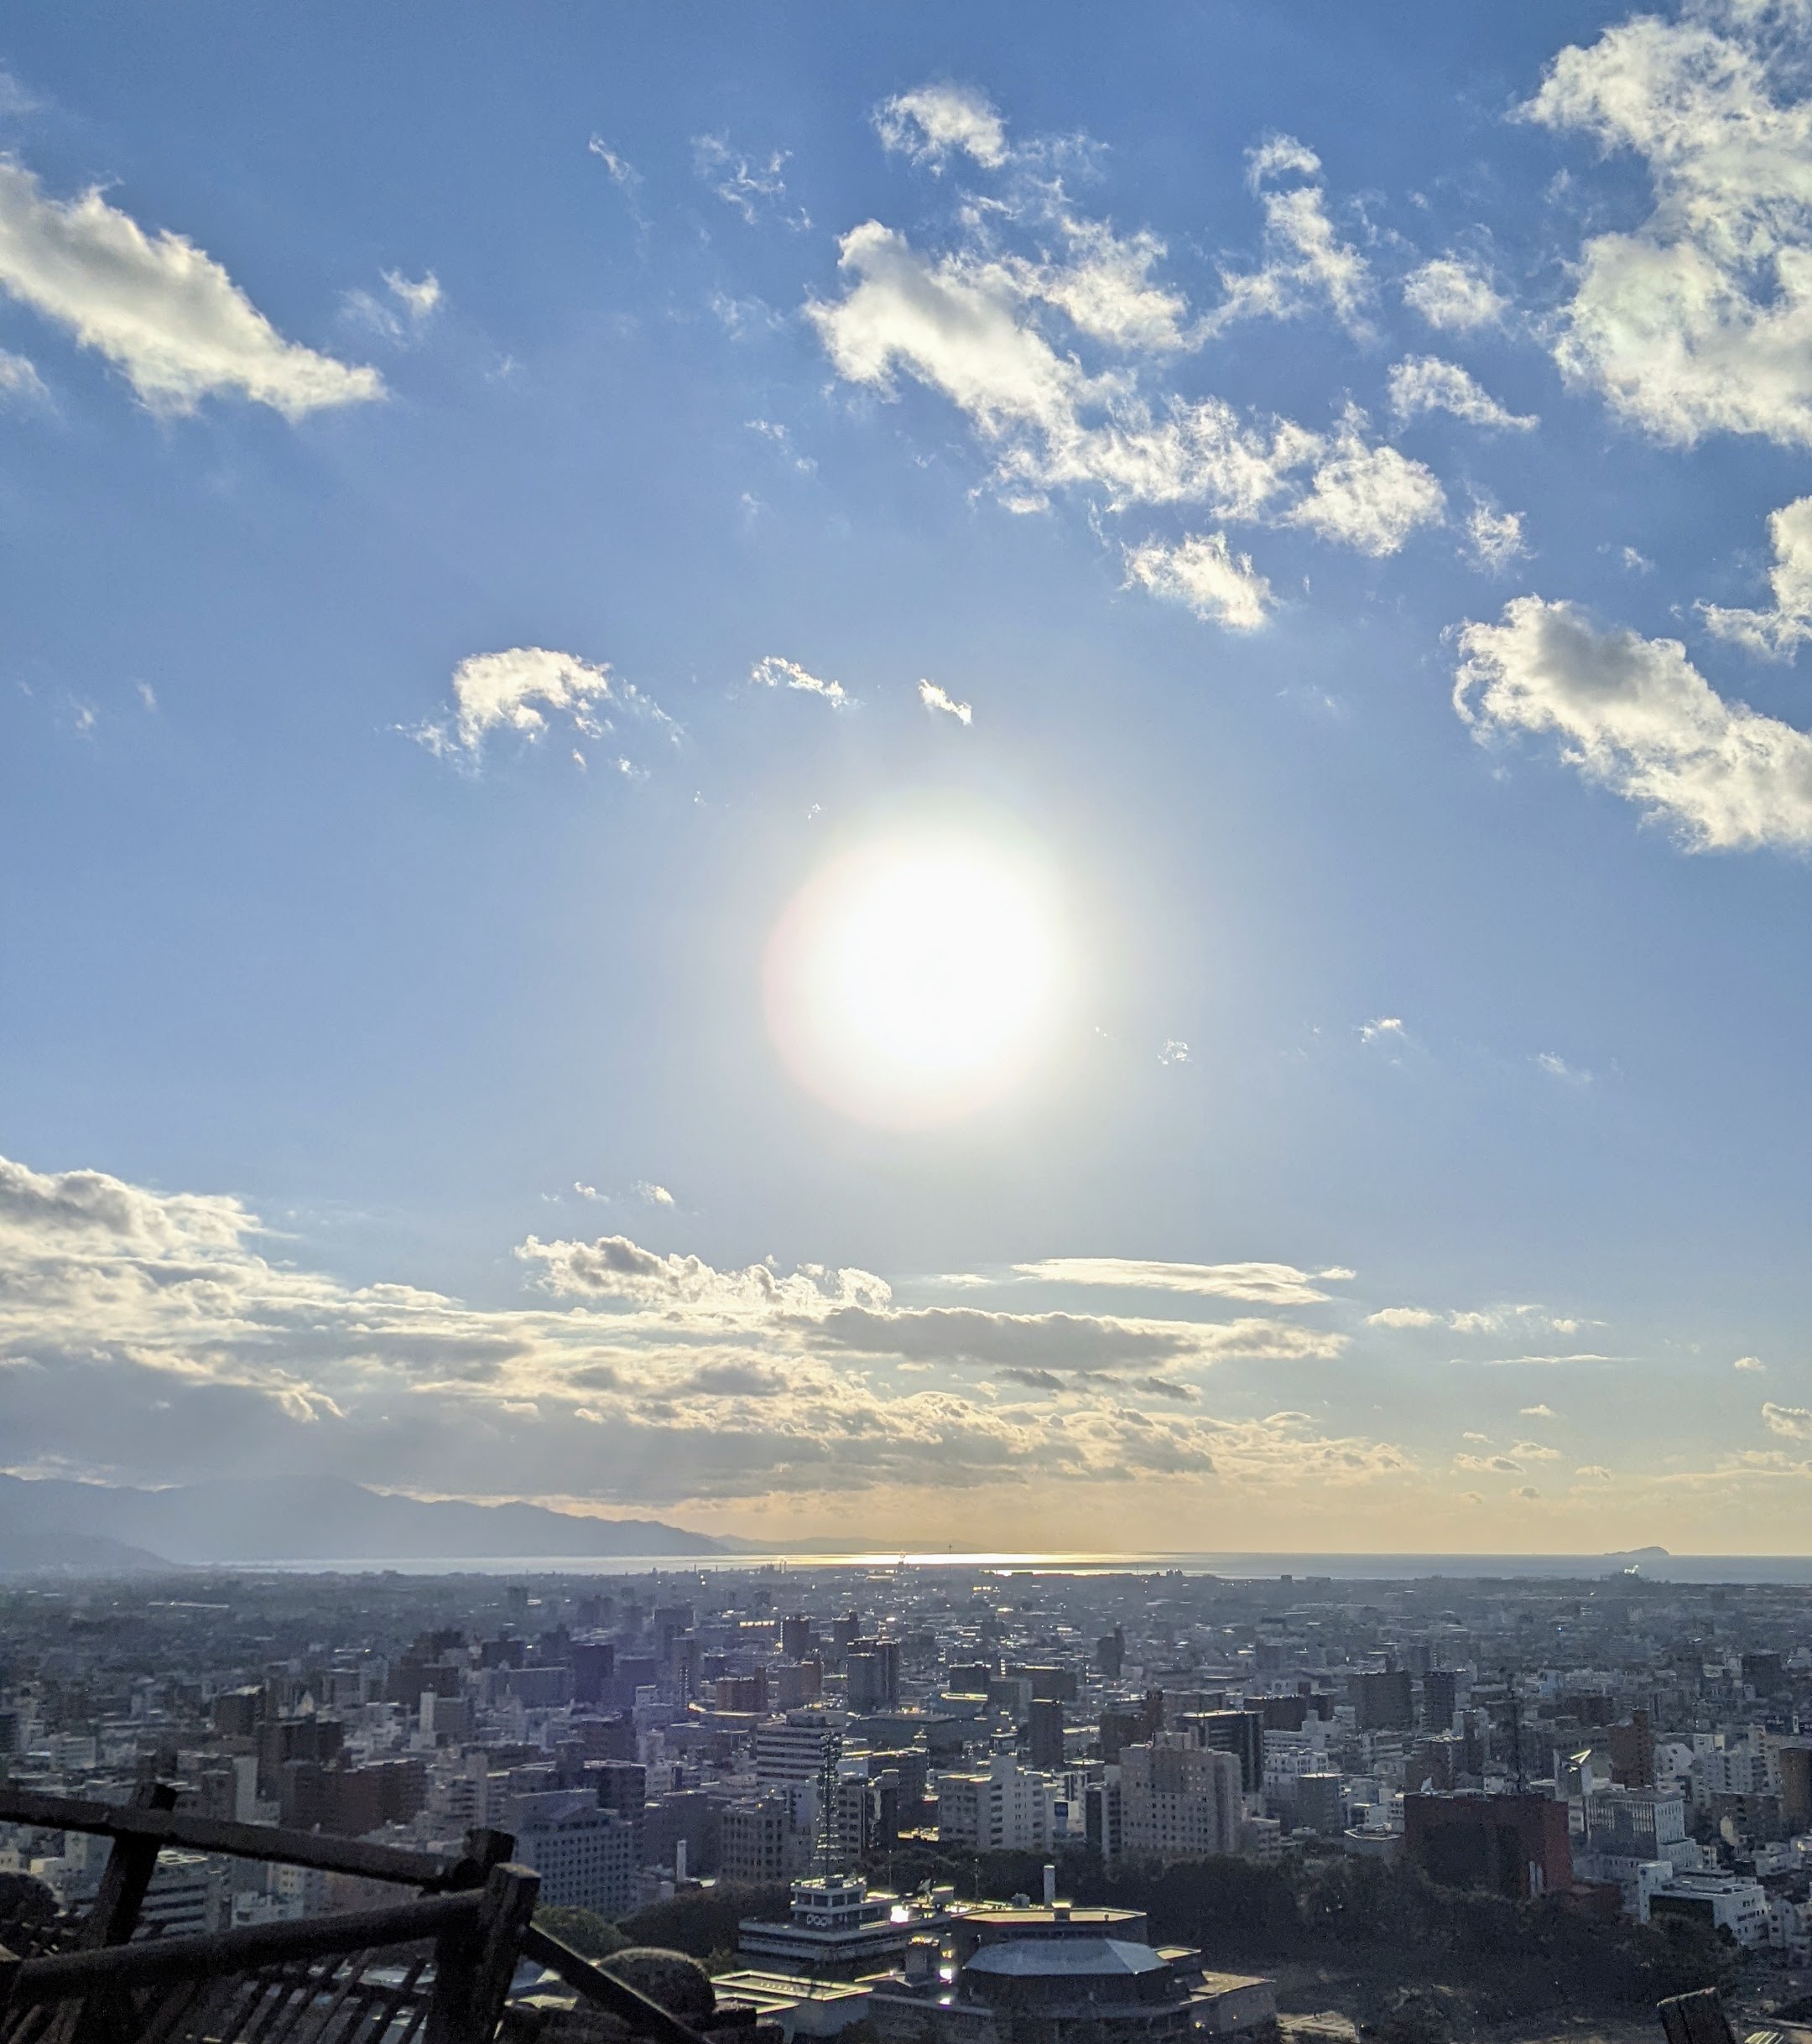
(920, 975)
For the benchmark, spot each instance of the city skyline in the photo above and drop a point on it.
(841, 780)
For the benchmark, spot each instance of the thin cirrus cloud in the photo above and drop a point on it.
(1698, 320)
(772, 672)
(1635, 716)
(159, 308)
(1273, 1284)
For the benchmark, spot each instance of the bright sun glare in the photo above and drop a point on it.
(919, 976)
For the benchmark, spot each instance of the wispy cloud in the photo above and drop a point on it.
(934, 122)
(772, 672)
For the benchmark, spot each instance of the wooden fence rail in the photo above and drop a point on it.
(158, 1823)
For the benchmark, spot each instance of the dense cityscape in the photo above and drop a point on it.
(845, 1789)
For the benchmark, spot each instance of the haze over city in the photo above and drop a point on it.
(840, 775)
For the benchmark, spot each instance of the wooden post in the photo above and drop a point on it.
(113, 1919)
(473, 1971)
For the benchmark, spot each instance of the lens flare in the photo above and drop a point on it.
(919, 976)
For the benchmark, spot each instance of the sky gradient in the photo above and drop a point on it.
(491, 513)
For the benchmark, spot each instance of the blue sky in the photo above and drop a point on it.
(488, 515)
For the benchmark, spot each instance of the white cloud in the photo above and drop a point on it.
(971, 324)
(1776, 633)
(144, 1338)
(933, 121)
(772, 672)
(1556, 1067)
(1488, 1465)
(752, 185)
(1635, 715)
(653, 1195)
(157, 307)
(1496, 536)
(1594, 1472)
(1455, 297)
(1173, 1051)
(1539, 1412)
(515, 690)
(1793, 1423)
(1403, 1316)
(944, 703)
(1383, 1029)
(1203, 571)
(1700, 319)
(1306, 264)
(623, 174)
(1269, 1284)
(1366, 497)
(413, 303)
(1749, 1362)
(20, 382)
(1534, 1451)
(1422, 383)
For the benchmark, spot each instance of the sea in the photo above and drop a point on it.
(1650, 1564)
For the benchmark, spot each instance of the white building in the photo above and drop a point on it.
(1008, 1808)
(1726, 1901)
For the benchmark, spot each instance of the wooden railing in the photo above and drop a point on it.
(437, 1968)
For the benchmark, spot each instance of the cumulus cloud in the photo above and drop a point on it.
(150, 1337)
(1403, 1316)
(772, 672)
(157, 307)
(1455, 297)
(945, 704)
(516, 690)
(1793, 1423)
(1492, 1465)
(1593, 1472)
(1422, 383)
(1383, 1029)
(1699, 320)
(1203, 571)
(1371, 498)
(1270, 1284)
(1306, 266)
(1635, 716)
(1778, 632)
(1049, 357)
(935, 120)
(1539, 1412)
(1749, 1363)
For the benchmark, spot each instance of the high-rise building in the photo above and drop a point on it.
(796, 1637)
(759, 1843)
(585, 1856)
(1238, 1732)
(1004, 1807)
(1383, 1702)
(1178, 1802)
(1317, 1802)
(1439, 1698)
(1045, 1739)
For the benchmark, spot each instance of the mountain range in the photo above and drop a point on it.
(51, 1523)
